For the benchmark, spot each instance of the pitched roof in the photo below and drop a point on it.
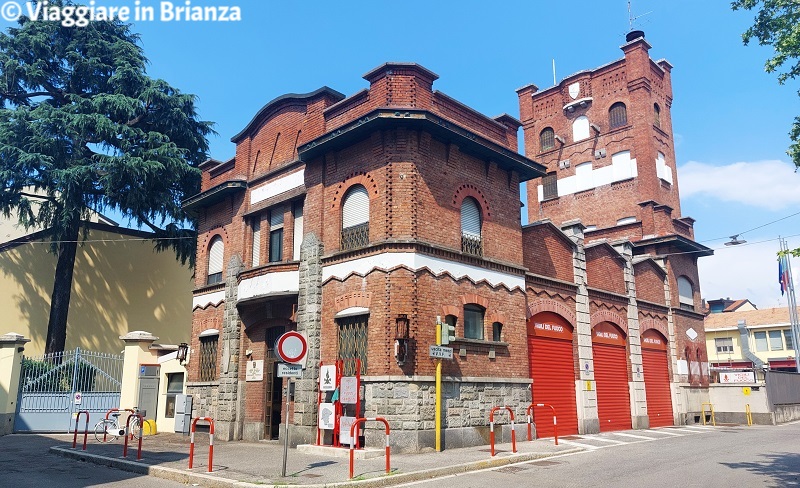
(769, 316)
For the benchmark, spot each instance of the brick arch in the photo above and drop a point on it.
(451, 310)
(554, 306)
(476, 299)
(468, 190)
(497, 317)
(647, 324)
(355, 299)
(609, 316)
(358, 178)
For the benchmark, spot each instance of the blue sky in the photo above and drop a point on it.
(730, 118)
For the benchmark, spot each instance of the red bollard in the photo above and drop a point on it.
(491, 429)
(352, 442)
(141, 434)
(210, 442)
(555, 421)
(85, 429)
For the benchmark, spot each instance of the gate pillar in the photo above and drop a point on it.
(11, 347)
(137, 351)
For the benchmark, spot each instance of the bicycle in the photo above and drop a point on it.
(107, 430)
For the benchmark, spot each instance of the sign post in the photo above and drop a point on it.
(291, 348)
(438, 413)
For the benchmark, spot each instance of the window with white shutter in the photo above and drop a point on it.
(355, 218)
(471, 227)
(257, 241)
(685, 293)
(298, 231)
(216, 251)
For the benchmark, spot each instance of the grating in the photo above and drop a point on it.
(511, 469)
(544, 463)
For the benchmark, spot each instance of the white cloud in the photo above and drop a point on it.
(771, 185)
(747, 271)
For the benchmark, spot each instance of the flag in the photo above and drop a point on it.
(783, 274)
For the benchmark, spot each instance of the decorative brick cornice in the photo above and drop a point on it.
(553, 306)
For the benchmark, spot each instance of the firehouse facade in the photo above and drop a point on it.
(360, 220)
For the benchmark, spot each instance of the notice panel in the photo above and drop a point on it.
(737, 377)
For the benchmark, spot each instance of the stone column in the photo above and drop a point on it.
(11, 347)
(585, 388)
(679, 404)
(137, 351)
(639, 417)
(229, 421)
(309, 320)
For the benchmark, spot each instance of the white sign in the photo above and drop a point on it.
(737, 377)
(441, 352)
(327, 416)
(345, 423)
(348, 390)
(290, 370)
(255, 370)
(78, 398)
(327, 378)
(292, 347)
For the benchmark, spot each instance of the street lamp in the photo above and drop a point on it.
(735, 241)
(183, 351)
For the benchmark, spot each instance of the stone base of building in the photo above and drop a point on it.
(253, 431)
(6, 423)
(299, 434)
(589, 426)
(640, 422)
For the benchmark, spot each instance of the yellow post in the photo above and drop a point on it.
(711, 406)
(438, 411)
(749, 414)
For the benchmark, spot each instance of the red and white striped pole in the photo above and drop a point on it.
(210, 442)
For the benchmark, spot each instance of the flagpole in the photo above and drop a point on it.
(793, 319)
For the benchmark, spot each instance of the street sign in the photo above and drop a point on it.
(327, 377)
(291, 347)
(441, 352)
(290, 370)
(78, 398)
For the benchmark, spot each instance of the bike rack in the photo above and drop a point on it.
(210, 442)
(747, 413)
(105, 434)
(555, 423)
(85, 429)
(711, 406)
(491, 428)
(352, 441)
(127, 431)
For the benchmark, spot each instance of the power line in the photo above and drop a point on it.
(754, 228)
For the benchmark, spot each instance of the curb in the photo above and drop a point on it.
(188, 477)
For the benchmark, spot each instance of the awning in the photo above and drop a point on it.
(782, 363)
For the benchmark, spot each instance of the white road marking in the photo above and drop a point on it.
(690, 431)
(667, 432)
(633, 436)
(578, 444)
(602, 439)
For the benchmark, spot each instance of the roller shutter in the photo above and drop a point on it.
(611, 378)
(470, 218)
(553, 374)
(215, 254)
(655, 363)
(355, 209)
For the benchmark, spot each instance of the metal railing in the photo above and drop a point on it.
(355, 237)
(471, 245)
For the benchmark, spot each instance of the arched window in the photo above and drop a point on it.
(617, 115)
(685, 293)
(656, 115)
(687, 355)
(216, 250)
(497, 331)
(355, 218)
(473, 321)
(580, 128)
(547, 139)
(471, 227)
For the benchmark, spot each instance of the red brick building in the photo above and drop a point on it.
(341, 217)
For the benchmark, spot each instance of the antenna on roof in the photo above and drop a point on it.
(554, 72)
(632, 18)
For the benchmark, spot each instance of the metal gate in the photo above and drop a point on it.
(55, 386)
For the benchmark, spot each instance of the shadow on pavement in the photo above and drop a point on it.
(784, 468)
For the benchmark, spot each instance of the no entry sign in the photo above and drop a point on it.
(291, 347)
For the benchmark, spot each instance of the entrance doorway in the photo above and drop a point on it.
(273, 386)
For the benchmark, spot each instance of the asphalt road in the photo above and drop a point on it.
(758, 456)
(26, 463)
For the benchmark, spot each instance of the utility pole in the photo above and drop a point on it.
(793, 319)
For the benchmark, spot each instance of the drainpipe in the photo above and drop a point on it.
(745, 342)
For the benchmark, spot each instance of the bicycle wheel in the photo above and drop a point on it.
(104, 431)
(135, 428)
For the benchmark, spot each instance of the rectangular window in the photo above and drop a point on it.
(298, 230)
(761, 341)
(276, 235)
(549, 186)
(353, 343)
(257, 241)
(789, 339)
(208, 358)
(775, 340)
(174, 387)
(473, 322)
(724, 345)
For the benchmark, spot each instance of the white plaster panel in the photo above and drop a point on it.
(278, 186)
(683, 367)
(208, 299)
(414, 261)
(282, 281)
(580, 128)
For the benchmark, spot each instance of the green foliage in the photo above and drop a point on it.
(50, 376)
(83, 127)
(777, 24)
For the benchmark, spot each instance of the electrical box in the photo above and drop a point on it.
(183, 413)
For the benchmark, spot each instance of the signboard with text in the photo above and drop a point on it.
(290, 370)
(348, 390)
(441, 352)
(737, 377)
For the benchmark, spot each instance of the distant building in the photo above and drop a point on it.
(751, 339)
(725, 305)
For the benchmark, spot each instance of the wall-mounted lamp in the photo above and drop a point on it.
(183, 352)
(559, 139)
(401, 340)
(595, 127)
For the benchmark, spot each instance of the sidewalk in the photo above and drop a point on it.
(259, 463)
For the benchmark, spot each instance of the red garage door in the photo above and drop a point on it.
(611, 377)
(553, 372)
(656, 378)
